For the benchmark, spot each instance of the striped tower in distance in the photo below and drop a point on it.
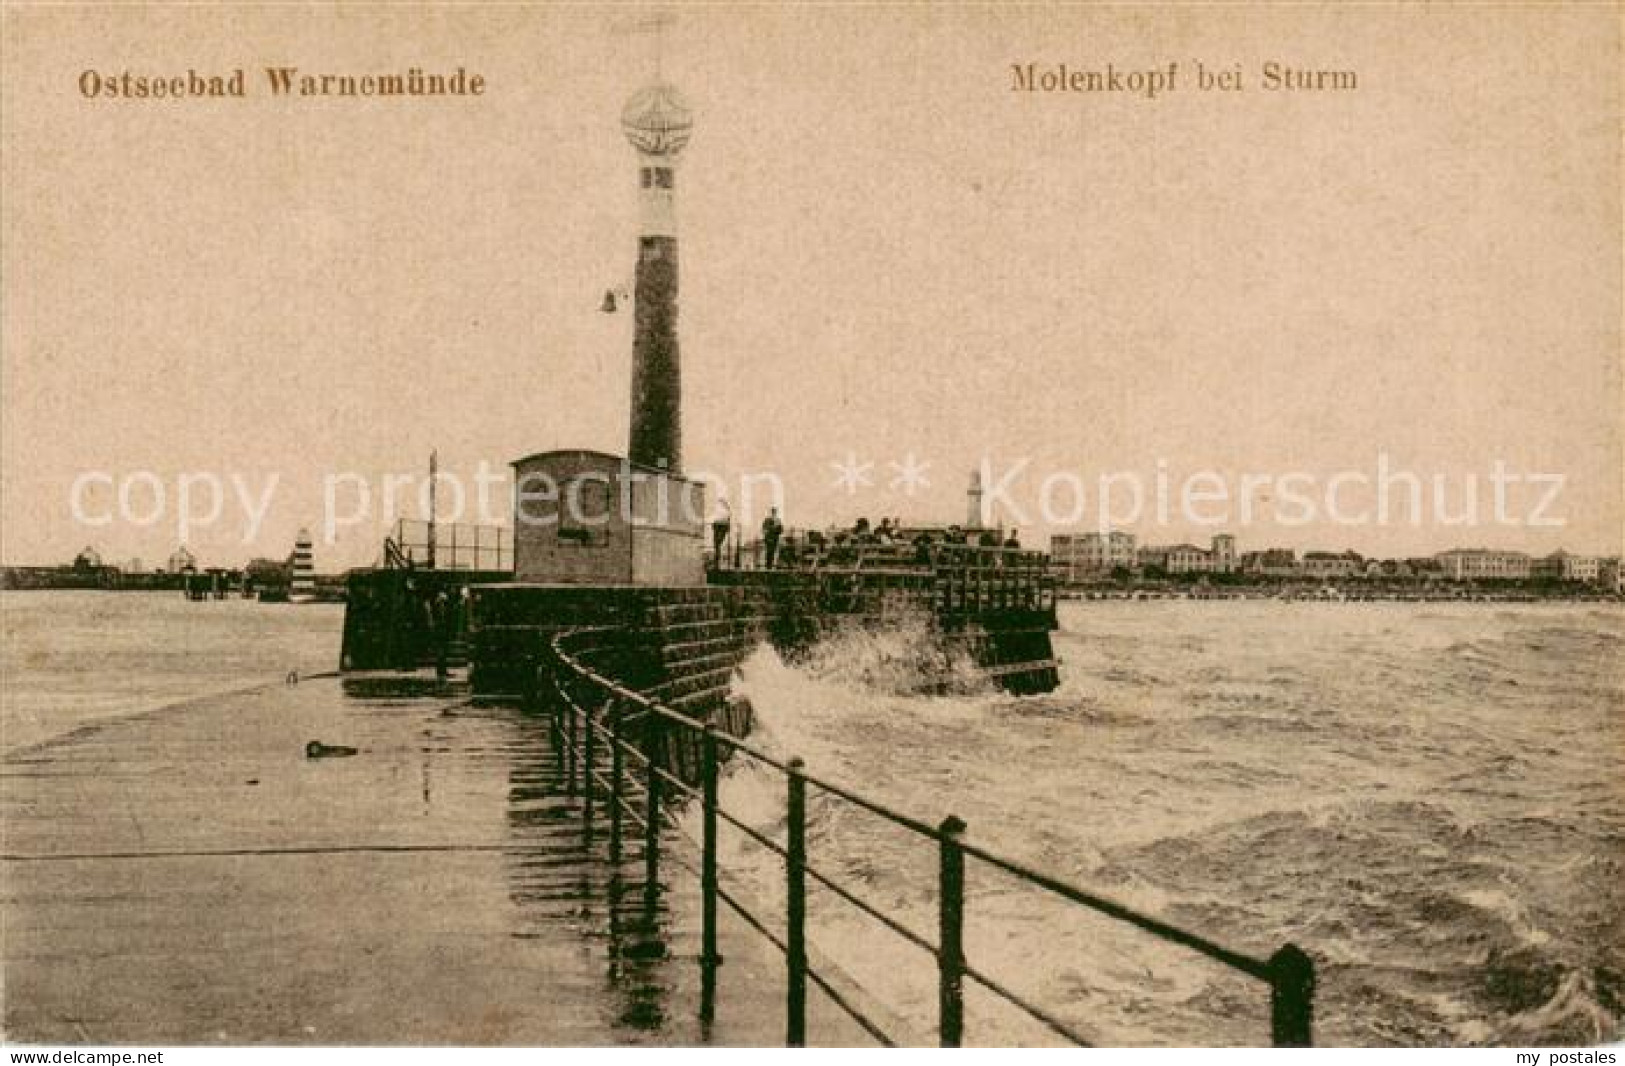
(304, 566)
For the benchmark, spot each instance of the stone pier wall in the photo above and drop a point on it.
(677, 645)
(681, 645)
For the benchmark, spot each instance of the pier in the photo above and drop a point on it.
(471, 874)
(189, 876)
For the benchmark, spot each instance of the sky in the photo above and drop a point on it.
(886, 252)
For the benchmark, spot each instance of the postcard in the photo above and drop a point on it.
(755, 525)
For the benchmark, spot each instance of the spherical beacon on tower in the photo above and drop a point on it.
(657, 122)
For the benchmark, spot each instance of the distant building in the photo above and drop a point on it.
(1271, 562)
(134, 566)
(88, 559)
(1561, 566)
(182, 561)
(1389, 568)
(1189, 559)
(1331, 564)
(1152, 556)
(1474, 564)
(1611, 575)
(1424, 566)
(1067, 556)
(1080, 555)
(1117, 550)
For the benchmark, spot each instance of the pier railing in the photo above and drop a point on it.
(636, 757)
(958, 579)
(973, 580)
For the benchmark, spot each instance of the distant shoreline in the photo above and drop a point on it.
(1148, 594)
(1335, 594)
(112, 579)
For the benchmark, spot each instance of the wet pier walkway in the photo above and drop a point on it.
(189, 876)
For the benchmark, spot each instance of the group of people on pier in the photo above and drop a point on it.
(777, 549)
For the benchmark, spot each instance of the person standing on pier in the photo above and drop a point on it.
(721, 520)
(443, 619)
(772, 529)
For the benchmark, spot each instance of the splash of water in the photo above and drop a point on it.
(905, 655)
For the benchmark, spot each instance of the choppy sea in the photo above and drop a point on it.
(1428, 798)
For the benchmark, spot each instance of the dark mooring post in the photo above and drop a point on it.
(651, 814)
(951, 934)
(796, 925)
(1292, 997)
(617, 784)
(709, 960)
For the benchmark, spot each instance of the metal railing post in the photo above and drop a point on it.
(651, 825)
(709, 960)
(587, 745)
(569, 745)
(617, 774)
(1292, 997)
(795, 998)
(554, 709)
(951, 934)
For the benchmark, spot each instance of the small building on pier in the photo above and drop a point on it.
(588, 518)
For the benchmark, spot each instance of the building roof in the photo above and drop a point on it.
(560, 453)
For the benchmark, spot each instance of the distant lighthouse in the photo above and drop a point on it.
(657, 122)
(304, 567)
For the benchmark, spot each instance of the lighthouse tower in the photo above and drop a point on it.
(304, 567)
(974, 518)
(657, 122)
(606, 524)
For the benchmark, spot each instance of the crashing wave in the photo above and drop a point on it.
(906, 655)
